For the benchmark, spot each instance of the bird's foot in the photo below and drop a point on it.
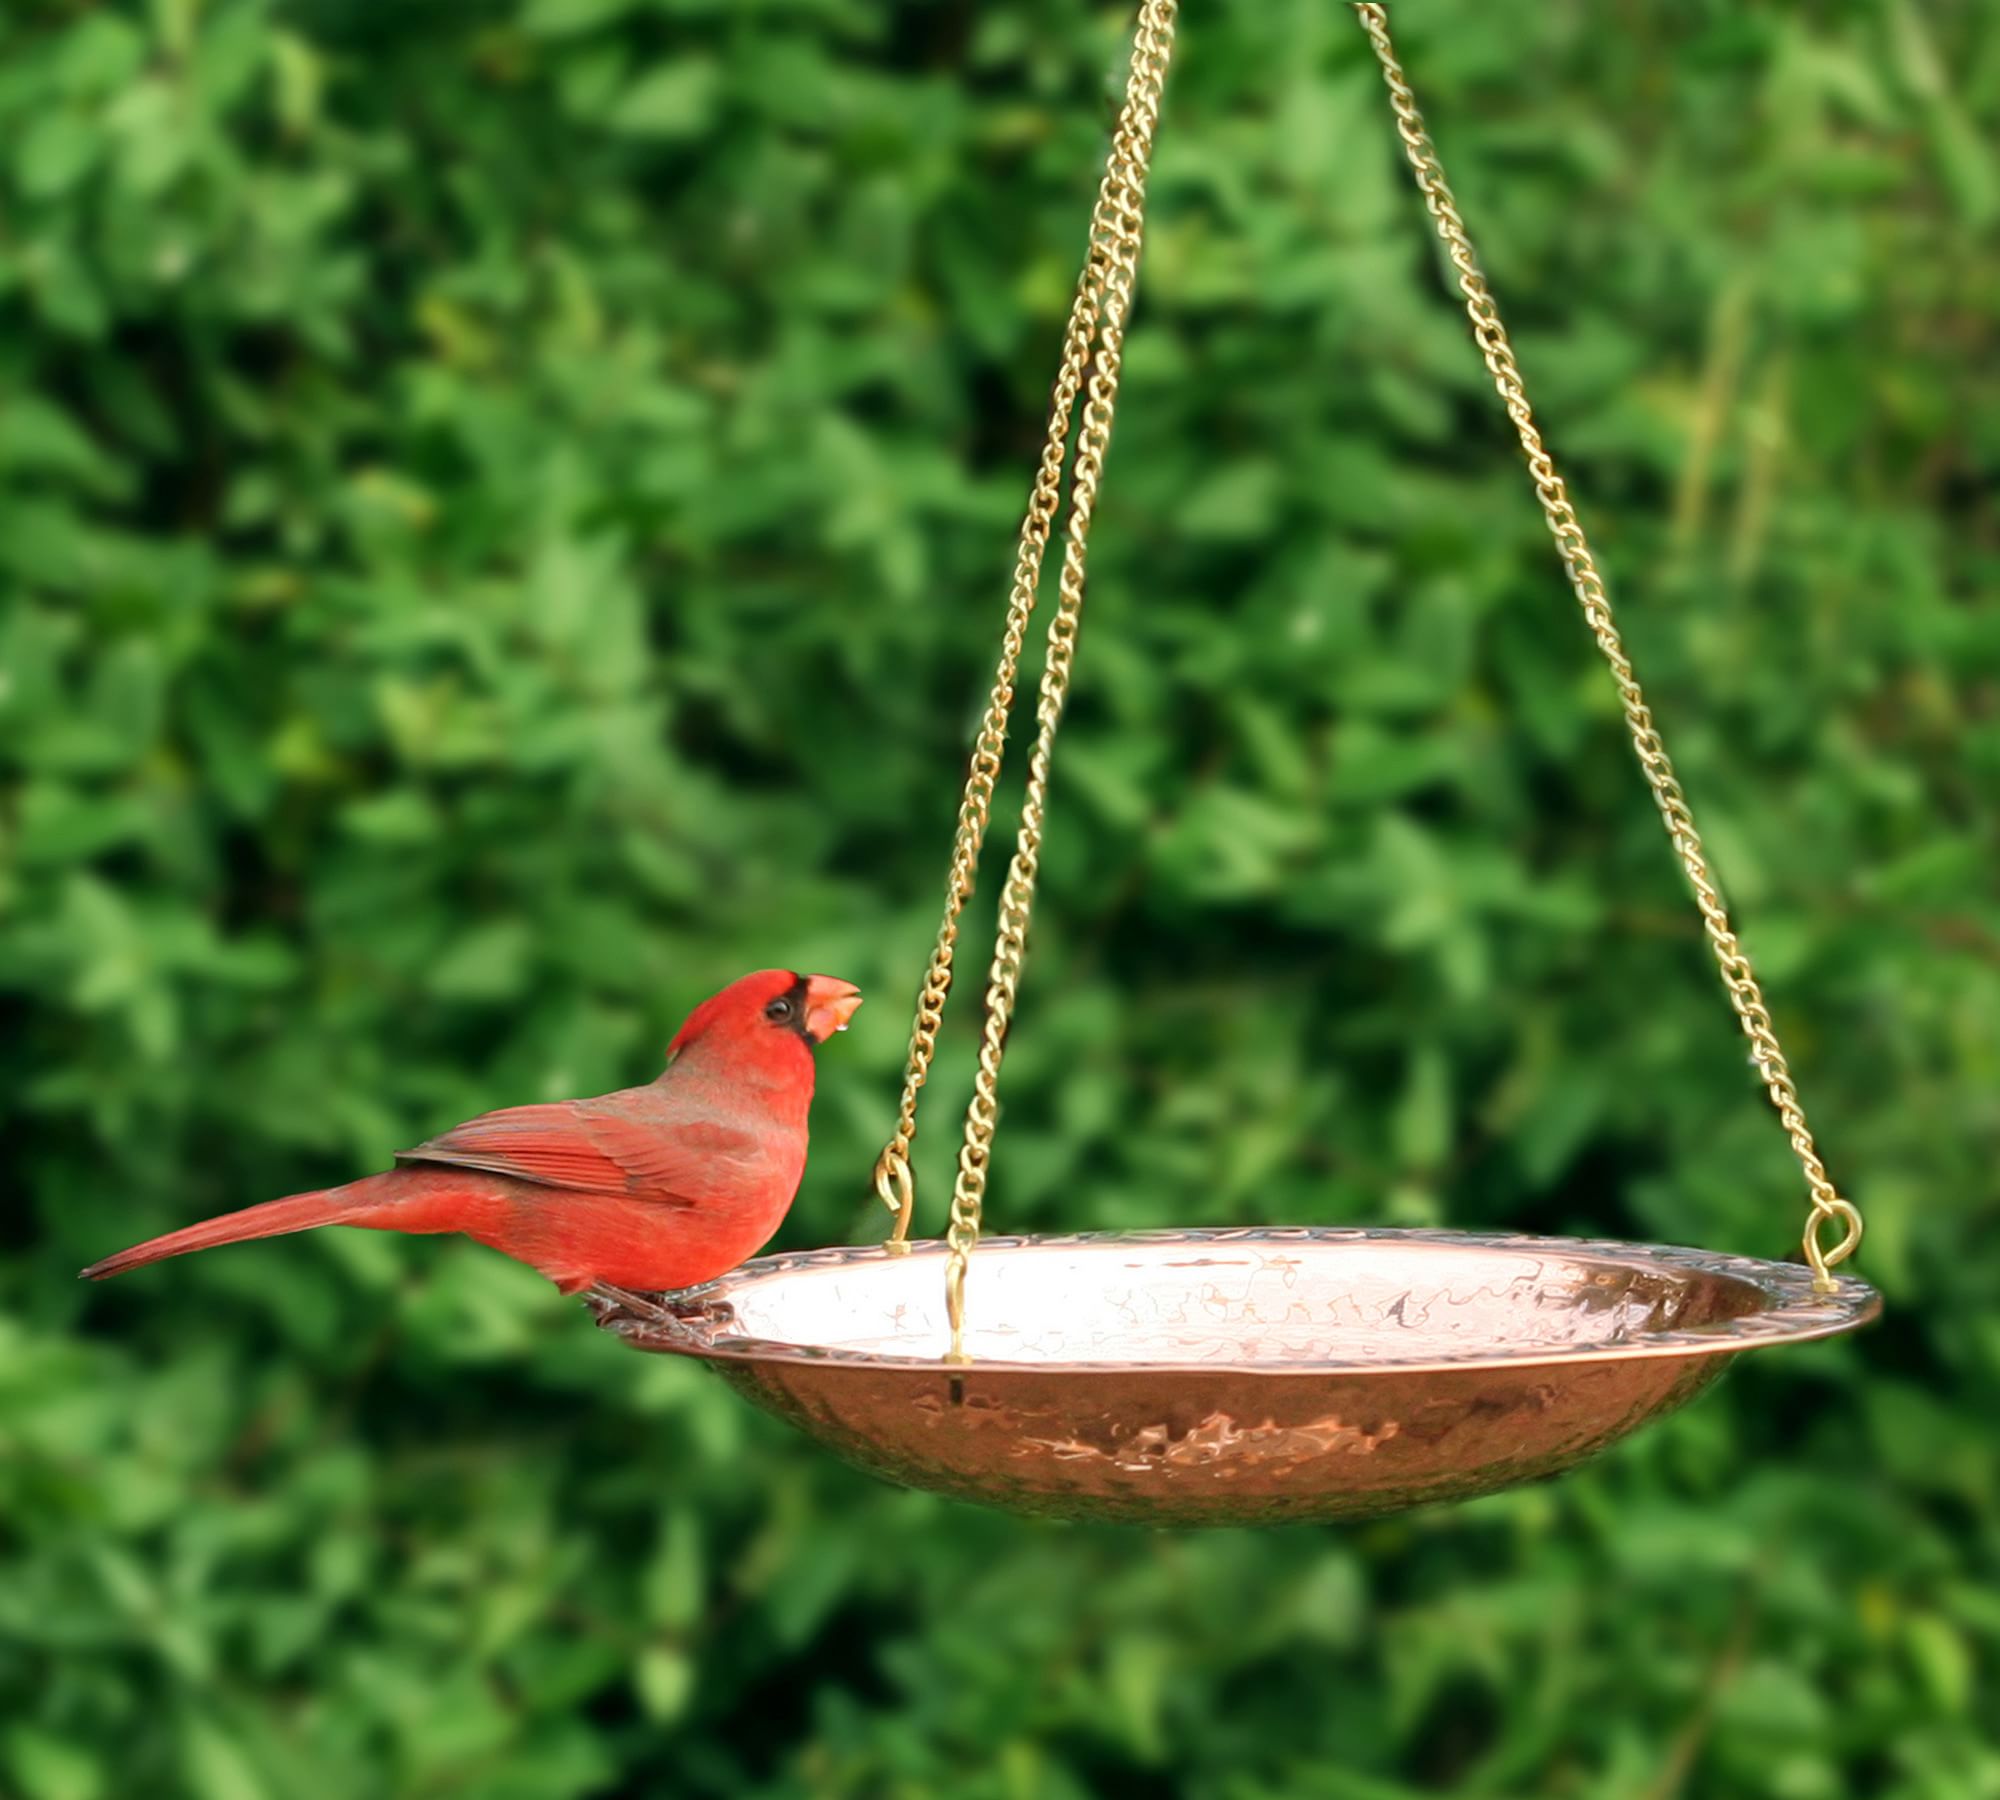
(605, 1298)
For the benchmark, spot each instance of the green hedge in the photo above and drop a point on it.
(504, 513)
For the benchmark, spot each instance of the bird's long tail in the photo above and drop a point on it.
(358, 1203)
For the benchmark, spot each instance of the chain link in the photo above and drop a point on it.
(1111, 260)
(1745, 996)
(1115, 233)
(893, 1179)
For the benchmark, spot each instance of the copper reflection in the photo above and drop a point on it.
(1233, 1377)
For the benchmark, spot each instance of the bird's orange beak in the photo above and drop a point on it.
(830, 1003)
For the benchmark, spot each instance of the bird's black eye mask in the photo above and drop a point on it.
(789, 1009)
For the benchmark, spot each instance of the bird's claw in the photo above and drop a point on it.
(606, 1300)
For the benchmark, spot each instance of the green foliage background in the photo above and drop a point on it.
(504, 510)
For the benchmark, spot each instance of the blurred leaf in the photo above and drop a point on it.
(47, 1768)
(673, 101)
(56, 153)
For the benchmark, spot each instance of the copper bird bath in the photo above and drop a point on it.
(1256, 1376)
(1264, 1374)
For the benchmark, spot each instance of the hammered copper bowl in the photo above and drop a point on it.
(1231, 1377)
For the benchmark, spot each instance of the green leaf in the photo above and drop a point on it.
(215, 1765)
(1423, 1118)
(569, 18)
(58, 150)
(675, 100)
(665, 1679)
(489, 962)
(46, 1767)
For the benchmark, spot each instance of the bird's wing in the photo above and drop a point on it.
(594, 1148)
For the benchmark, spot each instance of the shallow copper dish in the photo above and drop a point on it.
(1234, 1377)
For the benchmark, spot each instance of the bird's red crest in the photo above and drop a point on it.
(809, 1008)
(740, 1002)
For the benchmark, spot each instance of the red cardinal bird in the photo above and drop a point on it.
(652, 1187)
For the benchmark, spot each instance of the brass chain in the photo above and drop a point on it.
(1745, 996)
(893, 1180)
(1112, 256)
(1116, 231)
(1099, 314)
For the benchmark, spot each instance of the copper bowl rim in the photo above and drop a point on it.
(1794, 1311)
